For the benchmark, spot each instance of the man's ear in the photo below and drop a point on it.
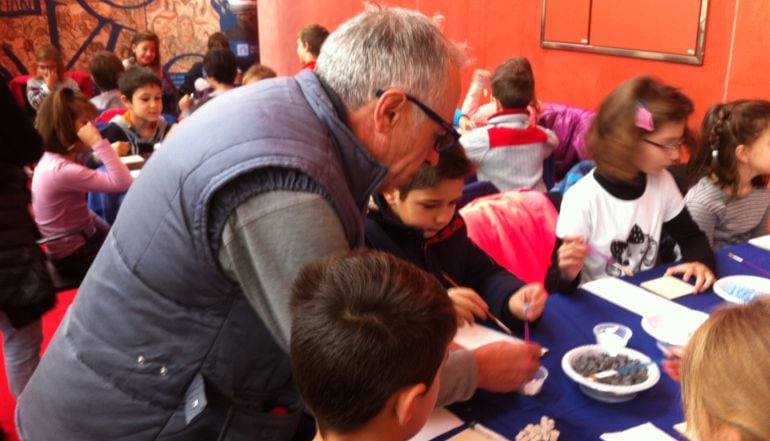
(742, 153)
(389, 109)
(126, 102)
(498, 106)
(406, 400)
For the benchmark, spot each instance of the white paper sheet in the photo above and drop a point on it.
(761, 242)
(472, 337)
(440, 422)
(643, 432)
(633, 298)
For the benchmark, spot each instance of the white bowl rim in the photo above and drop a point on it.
(653, 372)
(738, 278)
(647, 325)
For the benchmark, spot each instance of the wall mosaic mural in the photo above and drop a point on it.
(81, 28)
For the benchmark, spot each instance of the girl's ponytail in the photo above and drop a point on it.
(57, 119)
(714, 134)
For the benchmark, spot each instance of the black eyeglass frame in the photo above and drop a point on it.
(671, 147)
(445, 141)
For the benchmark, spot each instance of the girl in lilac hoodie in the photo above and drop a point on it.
(61, 180)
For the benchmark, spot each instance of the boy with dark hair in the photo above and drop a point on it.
(142, 126)
(369, 339)
(106, 68)
(217, 40)
(509, 150)
(419, 223)
(309, 43)
(221, 67)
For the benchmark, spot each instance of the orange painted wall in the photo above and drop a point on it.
(496, 29)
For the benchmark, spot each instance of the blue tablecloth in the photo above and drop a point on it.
(568, 322)
(106, 205)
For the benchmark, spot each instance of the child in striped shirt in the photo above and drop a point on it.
(730, 201)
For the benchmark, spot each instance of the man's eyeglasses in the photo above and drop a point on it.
(444, 141)
(668, 146)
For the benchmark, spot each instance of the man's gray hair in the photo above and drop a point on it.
(388, 47)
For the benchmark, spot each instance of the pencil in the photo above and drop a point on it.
(497, 321)
(611, 261)
(748, 264)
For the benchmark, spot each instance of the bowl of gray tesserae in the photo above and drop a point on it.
(583, 361)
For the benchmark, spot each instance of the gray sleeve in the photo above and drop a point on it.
(458, 379)
(764, 225)
(266, 242)
(702, 214)
(37, 90)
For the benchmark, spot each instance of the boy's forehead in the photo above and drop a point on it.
(148, 88)
(445, 189)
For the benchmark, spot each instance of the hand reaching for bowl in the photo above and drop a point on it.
(673, 362)
(505, 366)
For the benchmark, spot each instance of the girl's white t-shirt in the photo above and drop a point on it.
(627, 230)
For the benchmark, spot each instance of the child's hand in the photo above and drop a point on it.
(466, 125)
(481, 78)
(467, 303)
(673, 362)
(51, 77)
(89, 134)
(186, 102)
(572, 256)
(704, 278)
(121, 147)
(535, 295)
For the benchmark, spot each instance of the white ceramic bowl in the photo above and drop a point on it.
(673, 330)
(722, 286)
(607, 392)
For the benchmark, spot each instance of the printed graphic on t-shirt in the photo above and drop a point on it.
(636, 250)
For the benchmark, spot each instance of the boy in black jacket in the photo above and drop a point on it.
(419, 223)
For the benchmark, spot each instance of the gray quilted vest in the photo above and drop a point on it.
(156, 315)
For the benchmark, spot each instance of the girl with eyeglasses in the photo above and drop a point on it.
(730, 201)
(61, 180)
(615, 216)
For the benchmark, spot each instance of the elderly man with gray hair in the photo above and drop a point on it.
(180, 329)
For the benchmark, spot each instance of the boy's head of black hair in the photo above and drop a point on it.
(452, 164)
(106, 68)
(365, 325)
(513, 83)
(221, 65)
(135, 78)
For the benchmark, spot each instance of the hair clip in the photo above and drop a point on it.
(643, 118)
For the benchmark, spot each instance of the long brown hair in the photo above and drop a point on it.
(724, 128)
(725, 381)
(614, 138)
(57, 117)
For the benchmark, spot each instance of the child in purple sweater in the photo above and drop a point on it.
(61, 180)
